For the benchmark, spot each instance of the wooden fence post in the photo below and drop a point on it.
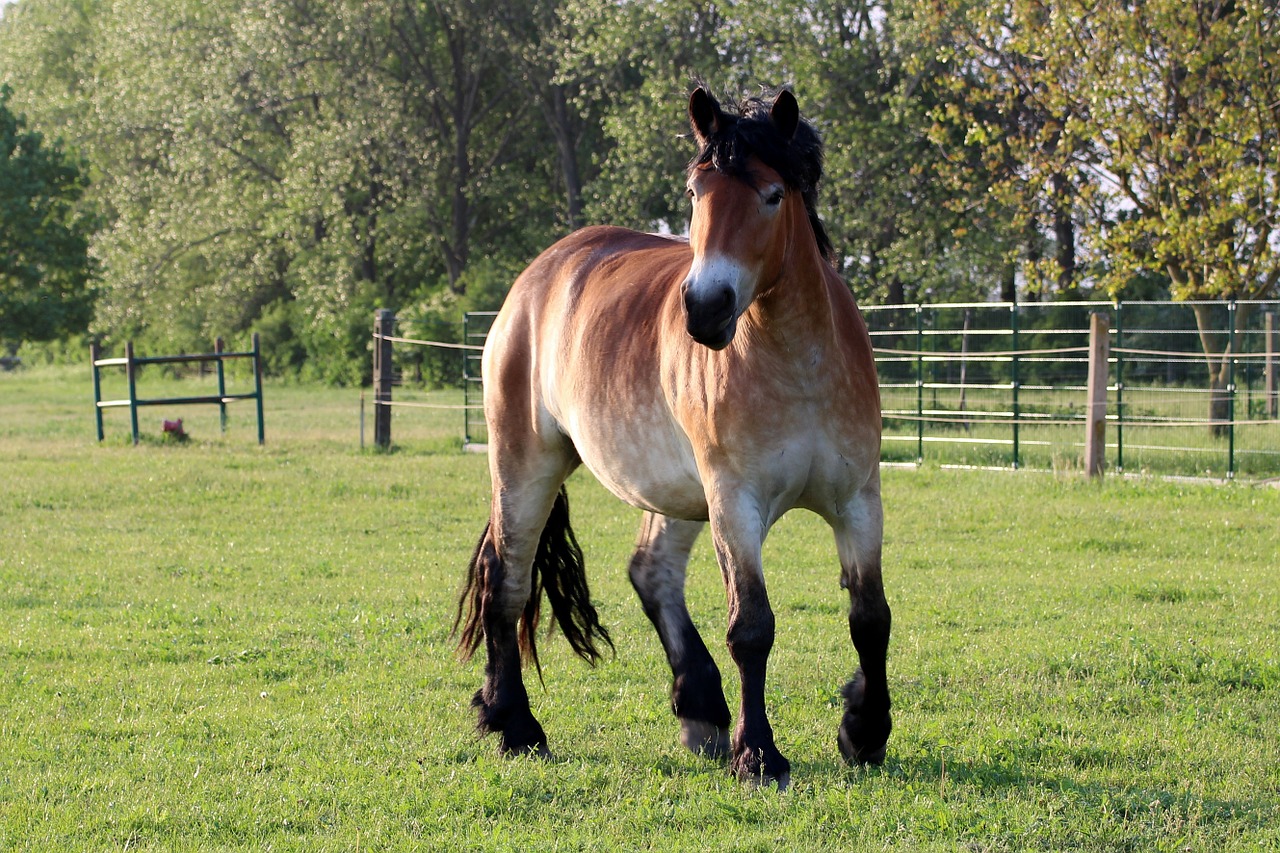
(384, 325)
(1095, 441)
(1269, 383)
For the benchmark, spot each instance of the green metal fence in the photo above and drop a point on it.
(1004, 384)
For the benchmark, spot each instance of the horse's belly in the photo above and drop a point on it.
(644, 462)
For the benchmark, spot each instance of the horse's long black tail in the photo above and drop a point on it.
(558, 570)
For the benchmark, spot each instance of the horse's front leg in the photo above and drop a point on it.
(865, 727)
(658, 574)
(739, 537)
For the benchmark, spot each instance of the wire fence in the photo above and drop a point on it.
(412, 372)
(1191, 386)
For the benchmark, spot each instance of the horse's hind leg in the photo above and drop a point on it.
(658, 575)
(502, 610)
(865, 727)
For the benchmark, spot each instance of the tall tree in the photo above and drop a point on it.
(896, 232)
(903, 235)
(445, 64)
(296, 159)
(1190, 125)
(1153, 121)
(45, 271)
(1007, 139)
(537, 36)
(638, 62)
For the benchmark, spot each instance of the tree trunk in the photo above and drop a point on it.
(1064, 234)
(1219, 346)
(560, 116)
(1009, 283)
(896, 293)
(1035, 253)
(457, 250)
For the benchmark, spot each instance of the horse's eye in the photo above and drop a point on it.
(688, 191)
(774, 199)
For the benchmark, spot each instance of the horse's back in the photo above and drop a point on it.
(576, 353)
(588, 263)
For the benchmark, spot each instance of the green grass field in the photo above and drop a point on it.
(213, 646)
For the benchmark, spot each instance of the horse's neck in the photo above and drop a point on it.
(796, 308)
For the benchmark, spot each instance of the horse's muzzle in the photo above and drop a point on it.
(711, 319)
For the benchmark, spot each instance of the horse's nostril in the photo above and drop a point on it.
(725, 299)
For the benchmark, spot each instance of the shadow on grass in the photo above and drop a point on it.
(1120, 805)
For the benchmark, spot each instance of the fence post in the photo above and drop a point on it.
(1119, 309)
(384, 325)
(257, 385)
(1095, 440)
(468, 396)
(95, 353)
(919, 384)
(1017, 411)
(219, 346)
(1269, 390)
(130, 370)
(1231, 390)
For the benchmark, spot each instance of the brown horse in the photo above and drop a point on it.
(727, 379)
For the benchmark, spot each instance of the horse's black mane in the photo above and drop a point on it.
(748, 130)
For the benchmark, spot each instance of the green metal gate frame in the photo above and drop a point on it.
(130, 363)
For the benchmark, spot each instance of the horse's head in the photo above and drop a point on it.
(754, 186)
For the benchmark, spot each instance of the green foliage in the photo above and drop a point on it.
(251, 155)
(902, 233)
(283, 353)
(45, 270)
(642, 60)
(897, 233)
(1147, 132)
(336, 157)
(216, 645)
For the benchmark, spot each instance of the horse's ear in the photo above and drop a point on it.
(785, 114)
(704, 115)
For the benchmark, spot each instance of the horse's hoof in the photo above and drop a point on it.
(533, 750)
(703, 738)
(753, 769)
(519, 732)
(780, 782)
(524, 740)
(858, 755)
(864, 731)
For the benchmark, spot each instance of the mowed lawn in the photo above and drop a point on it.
(214, 646)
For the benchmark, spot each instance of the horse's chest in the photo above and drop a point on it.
(836, 474)
(808, 468)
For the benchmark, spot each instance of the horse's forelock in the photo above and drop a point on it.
(750, 131)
